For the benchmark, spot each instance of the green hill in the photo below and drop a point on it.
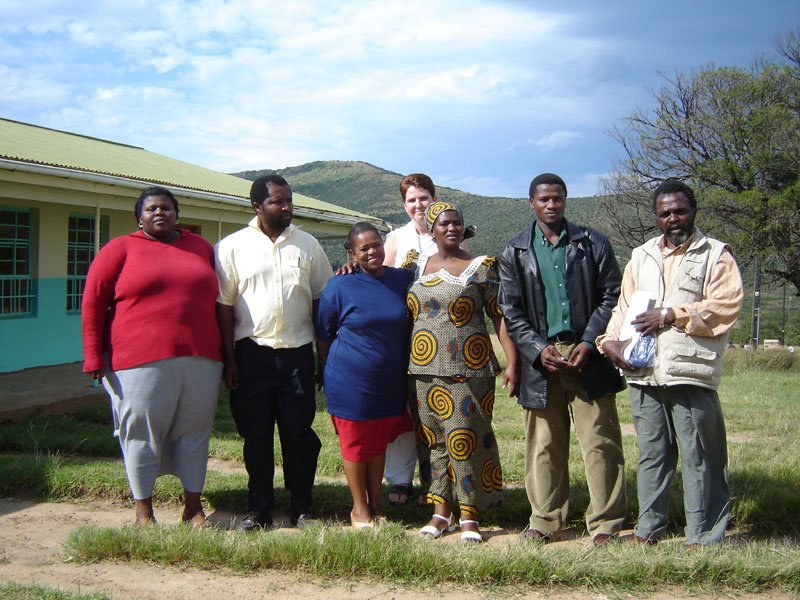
(369, 189)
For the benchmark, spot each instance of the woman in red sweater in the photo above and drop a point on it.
(150, 335)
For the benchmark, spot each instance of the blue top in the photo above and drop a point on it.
(366, 320)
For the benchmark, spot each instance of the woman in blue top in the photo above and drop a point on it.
(362, 330)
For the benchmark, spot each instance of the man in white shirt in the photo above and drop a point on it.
(271, 275)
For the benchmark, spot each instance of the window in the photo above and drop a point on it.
(17, 285)
(80, 252)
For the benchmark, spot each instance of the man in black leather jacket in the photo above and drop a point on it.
(559, 283)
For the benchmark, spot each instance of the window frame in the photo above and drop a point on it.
(11, 283)
(76, 282)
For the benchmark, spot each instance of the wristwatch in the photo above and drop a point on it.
(663, 317)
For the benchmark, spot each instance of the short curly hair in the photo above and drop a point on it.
(674, 186)
(154, 191)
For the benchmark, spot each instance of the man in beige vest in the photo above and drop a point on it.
(696, 290)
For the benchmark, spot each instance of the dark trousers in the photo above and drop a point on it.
(276, 386)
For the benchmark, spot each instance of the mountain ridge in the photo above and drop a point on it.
(364, 187)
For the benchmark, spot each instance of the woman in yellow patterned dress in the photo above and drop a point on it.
(454, 371)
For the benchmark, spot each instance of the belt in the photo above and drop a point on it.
(565, 337)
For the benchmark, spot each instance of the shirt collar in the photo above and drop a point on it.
(541, 238)
(284, 234)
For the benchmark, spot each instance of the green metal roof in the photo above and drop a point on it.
(41, 145)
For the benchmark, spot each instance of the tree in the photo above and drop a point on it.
(734, 135)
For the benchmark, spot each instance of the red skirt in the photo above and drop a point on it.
(361, 441)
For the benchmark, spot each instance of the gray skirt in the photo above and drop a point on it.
(163, 412)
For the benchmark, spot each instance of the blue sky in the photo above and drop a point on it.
(482, 96)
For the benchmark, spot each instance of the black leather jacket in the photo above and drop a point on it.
(593, 281)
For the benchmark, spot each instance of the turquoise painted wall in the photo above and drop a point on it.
(50, 337)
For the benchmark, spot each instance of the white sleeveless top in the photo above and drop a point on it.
(408, 239)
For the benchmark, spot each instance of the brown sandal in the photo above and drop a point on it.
(198, 521)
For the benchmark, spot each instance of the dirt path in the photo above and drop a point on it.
(32, 538)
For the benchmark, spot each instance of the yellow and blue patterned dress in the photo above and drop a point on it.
(454, 369)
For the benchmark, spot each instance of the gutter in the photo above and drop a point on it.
(131, 183)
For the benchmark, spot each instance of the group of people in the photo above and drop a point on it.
(407, 364)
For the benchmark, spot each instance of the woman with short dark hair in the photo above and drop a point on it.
(362, 342)
(150, 335)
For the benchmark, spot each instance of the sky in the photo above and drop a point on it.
(480, 95)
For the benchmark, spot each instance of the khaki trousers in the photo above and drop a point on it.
(547, 434)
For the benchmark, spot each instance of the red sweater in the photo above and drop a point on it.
(145, 300)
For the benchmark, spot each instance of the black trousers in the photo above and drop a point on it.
(276, 386)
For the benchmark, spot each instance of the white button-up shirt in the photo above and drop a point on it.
(271, 285)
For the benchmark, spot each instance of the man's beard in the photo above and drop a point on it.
(676, 239)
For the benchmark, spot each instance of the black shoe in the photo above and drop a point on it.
(255, 520)
(303, 520)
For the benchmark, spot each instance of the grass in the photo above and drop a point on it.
(75, 458)
(388, 554)
(14, 591)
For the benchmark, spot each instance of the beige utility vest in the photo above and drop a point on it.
(680, 358)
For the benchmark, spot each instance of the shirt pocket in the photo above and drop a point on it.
(297, 270)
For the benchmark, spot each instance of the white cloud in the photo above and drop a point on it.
(587, 184)
(22, 91)
(557, 139)
(485, 91)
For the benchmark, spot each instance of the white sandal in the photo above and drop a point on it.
(470, 536)
(434, 532)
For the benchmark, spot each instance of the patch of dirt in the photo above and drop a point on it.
(33, 535)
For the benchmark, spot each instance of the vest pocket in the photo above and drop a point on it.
(688, 361)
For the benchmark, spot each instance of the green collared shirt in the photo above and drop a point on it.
(553, 271)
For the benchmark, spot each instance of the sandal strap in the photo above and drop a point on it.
(471, 536)
(463, 521)
(430, 530)
(448, 519)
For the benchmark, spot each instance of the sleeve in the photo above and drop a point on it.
(620, 310)
(606, 292)
(326, 323)
(226, 274)
(98, 295)
(321, 270)
(490, 288)
(528, 341)
(718, 311)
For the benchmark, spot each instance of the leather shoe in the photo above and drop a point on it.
(535, 534)
(601, 539)
(254, 520)
(635, 539)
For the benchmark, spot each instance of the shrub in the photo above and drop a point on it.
(776, 359)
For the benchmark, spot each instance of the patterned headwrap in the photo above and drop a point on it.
(437, 208)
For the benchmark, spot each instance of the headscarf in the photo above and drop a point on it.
(437, 208)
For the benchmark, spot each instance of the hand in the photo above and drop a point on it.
(230, 374)
(348, 268)
(613, 350)
(511, 380)
(579, 356)
(649, 320)
(97, 375)
(319, 379)
(552, 359)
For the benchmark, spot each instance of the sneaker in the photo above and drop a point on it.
(254, 520)
(303, 520)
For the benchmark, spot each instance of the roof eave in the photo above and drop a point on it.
(133, 183)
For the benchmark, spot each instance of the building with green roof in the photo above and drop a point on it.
(63, 195)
